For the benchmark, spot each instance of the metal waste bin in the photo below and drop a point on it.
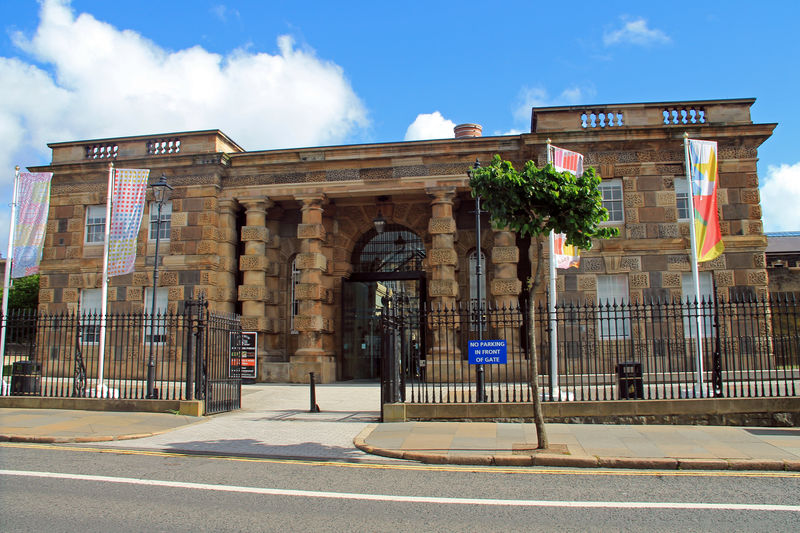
(26, 378)
(629, 381)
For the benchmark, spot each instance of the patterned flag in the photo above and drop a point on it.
(127, 206)
(566, 256)
(703, 176)
(566, 161)
(33, 204)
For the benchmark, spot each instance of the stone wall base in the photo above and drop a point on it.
(324, 369)
(271, 372)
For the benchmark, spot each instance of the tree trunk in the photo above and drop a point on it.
(538, 418)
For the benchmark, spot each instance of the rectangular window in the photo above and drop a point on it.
(294, 279)
(166, 219)
(156, 330)
(95, 224)
(90, 307)
(614, 314)
(682, 199)
(704, 307)
(611, 191)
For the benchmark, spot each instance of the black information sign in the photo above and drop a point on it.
(244, 354)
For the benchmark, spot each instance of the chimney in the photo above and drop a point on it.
(466, 131)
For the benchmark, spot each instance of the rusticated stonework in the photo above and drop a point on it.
(443, 256)
(505, 254)
(443, 287)
(441, 225)
(670, 280)
(592, 264)
(587, 283)
(253, 262)
(255, 233)
(310, 231)
(503, 287)
(723, 278)
(311, 260)
(640, 280)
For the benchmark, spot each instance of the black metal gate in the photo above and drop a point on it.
(212, 337)
(402, 347)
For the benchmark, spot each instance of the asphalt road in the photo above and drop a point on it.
(72, 488)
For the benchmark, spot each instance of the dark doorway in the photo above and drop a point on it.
(385, 265)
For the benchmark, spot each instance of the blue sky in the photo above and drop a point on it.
(275, 74)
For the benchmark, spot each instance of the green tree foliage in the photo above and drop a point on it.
(534, 202)
(24, 293)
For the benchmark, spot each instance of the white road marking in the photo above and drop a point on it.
(407, 499)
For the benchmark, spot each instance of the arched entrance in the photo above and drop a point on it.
(384, 264)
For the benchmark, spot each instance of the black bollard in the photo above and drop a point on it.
(314, 407)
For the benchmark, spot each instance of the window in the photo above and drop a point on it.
(90, 307)
(473, 288)
(166, 218)
(705, 304)
(612, 298)
(611, 191)
(682, 199)
(95, 224)
(294, 310)
(158, 330)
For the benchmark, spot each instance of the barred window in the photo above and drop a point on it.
(704, 306)
(614, 315)
(157, 331)
(682, 199)
(90, 307)
(294, 303)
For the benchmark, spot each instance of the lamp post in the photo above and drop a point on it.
(160, 192)
(480, 376)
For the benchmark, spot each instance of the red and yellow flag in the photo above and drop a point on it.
(703, 177)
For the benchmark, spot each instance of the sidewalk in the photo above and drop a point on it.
(275, 422)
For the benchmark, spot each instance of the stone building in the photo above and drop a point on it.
(289, 238)
(783, 263)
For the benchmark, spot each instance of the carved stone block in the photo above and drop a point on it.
(46, 295)
(175, 294)
(718, 263)
(178, 219)
(208, 248)
(253, 263)
(637, 231)
(309, 323)
(256, 293)
(168, 278)
(759, 260)
(632, 215)
(255, 233)
(634, 199)
(443, 287)
(630, 263)
(671, 280)
(678, 263)
(504, 287)
(750, 196)
(443, 256)
(640, 280)
(757, 277)
(70, 296)
(612, 263)
(311, 260)
(587, 283)
(141, 279)
(505, 254)
(724, 278)
(592, 264)
(309, 291)
(441, 225)
(311, 231)
(668, 231)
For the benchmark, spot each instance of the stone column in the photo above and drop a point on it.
(505, 290)
(310, 322)
(253, 264)
(274, 343)
(443, 288)
(226, 277)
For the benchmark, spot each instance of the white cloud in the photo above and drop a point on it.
(430, 126)
(635, 32)
(779, 194)
(94, 80)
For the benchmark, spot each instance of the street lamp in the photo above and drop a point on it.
(160, 192)
(479, 370)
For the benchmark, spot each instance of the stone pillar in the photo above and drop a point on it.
(253, 292)
(274, 343)
(310, 322)
(505, 290)
(226, 277)
(443, 288)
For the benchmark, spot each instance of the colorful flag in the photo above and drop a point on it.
(703, 179)
(566, 256)
(127, 207)
(33, 204)
(566, 161)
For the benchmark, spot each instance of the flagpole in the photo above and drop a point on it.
(695, 272)
(7, 276)
(104, 291)
(552, 307)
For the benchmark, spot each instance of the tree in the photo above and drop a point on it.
(534, 202)
(24, 293)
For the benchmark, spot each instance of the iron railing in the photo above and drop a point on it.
(750, 348)
(191, 350)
